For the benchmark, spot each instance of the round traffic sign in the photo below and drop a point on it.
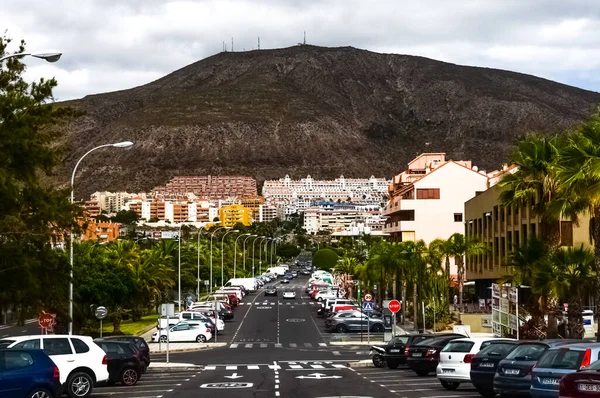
(46, 320)
(101, 312)
(368, 297)
(394, 306)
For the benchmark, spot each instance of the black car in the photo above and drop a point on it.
(424, 357)
(270, 291)
(485, 363)
(397, 348)
(124, 363)
(28, 373)
(137, 341)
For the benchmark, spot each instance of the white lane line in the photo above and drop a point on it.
(278, 345)
(243, 319)
(295, 366)
(210, 367)
(322, 344)
(230, 367)
(248, 345)
(317, 366)
(276, 393)
(336, 353)
(264, 345)
(293, 345)
(233, 346)
(338, 366)
(253, 367)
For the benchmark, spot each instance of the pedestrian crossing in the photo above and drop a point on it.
(259, 303)
(301, 365)
(276, 345)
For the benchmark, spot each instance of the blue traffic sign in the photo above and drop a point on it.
(367, 306)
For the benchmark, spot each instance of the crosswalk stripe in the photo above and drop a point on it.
(293, 345)
(231, 367)
(278, 345)
(295, 366)
(288, 303)
(233, 346)
(210, 367)
(253, 367)
(322, 344)
(317, 366)
(307, 345)
(263, 345)
(280, 303)
(338, 366)
(303, 303)
(336, 353)
(248, 345)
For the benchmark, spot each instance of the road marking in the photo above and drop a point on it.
(253, 367)
(264, 345)
(308, 345)
(278, 345)
(336, 353)
(243, 319)
(293, 345)
(210, 367)
(322, 344)
(317, 366)
(231, 368)
(295, 366)
(233, 346)
(225, 385)
(248, 345)
(338, 366)
(233, 376)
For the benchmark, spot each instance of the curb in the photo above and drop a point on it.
(344, 343)
(173, 366)
(367, 363)
(190, 349)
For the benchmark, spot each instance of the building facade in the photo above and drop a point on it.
(112, 202)
(233, 214)
(102, 231)
(208, 187)
(266, 213)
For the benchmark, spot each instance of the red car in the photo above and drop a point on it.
(583, 383)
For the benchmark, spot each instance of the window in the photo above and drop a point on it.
(458, 217)
(5, 343)
(428, 193)
(527, 352)
(458, 346)
(561, 359)
(405, 215)
(80, 346)
(57, 346)
(566, 233)
(181, 327)
(186, 315)
(28, 344)
(17, 360)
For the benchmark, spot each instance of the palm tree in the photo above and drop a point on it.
(348, 266)
(459, 247)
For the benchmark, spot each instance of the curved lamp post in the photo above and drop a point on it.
(253, 243)
(223, 255)
(235, 253)
(244, 249)
(50, 56)
(212, 235)
(198, 277)
(260, 245)
(123, 144)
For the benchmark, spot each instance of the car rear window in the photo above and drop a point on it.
(435, 342)
(399, 340)
(497, 349)
(561, 359)
(527, 352)
(80, 346)
(458, 346)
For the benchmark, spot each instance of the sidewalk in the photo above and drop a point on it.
(179, 347)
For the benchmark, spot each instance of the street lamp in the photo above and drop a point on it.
(198, 277)
(260, 253)
(244, 249)
(211, 256)
(235, 253)
(123, 144)
(50, 56)
(223, 255)
(253, 243)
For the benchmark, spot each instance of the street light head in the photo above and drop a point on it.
(50, 56)
(236, 230)
(123, 144)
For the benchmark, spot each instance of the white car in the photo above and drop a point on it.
(455, 360)
(188, 316)
(183, 332)
(326, 294)
(289, 294)
(81, 363)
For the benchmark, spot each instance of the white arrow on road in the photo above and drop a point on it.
(234, 376)
(318, 376)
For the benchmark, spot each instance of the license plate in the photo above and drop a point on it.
(417, 354)
(512, 371)
(549, 380)
(486, 365)
(589, 387)
(447, 370)
(394, 350)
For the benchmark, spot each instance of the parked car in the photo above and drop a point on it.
(513, 376)
(346, 321)
(581, 384)
(138, 342)
(454, 366)
(81, 363)
(183, 332)
(289, 293)
(424, 356)
(270, 290)
(28, 373)
(558, 362)
(485, 362)
(396, 349)
(285, 280)
(124, 362)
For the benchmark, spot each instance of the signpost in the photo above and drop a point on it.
(167, 310)
(101, 313)
(394, 307)
(367, 307)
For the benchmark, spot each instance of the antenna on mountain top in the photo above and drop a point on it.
(259, 42)
(304, 38)
(224, 49)
(232, 44)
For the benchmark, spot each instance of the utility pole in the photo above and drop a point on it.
(232, 44)
(304, 37)
(259, 42)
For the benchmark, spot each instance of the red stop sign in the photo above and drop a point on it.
(46, 320)
(394, 306)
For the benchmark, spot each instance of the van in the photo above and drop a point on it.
(217, 297)
(248, 283)
(280, 271)
(233, 289)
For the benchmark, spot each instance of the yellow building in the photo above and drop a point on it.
(233, 214)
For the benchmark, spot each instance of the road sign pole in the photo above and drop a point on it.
(168, 327)
(100, 328)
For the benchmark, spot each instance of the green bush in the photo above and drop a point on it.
(325, 259)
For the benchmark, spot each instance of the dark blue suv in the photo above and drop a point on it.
(28, 374)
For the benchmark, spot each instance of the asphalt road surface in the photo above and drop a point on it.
(278, 348)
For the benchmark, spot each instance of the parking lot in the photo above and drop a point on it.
(404, 382)
(152, 384)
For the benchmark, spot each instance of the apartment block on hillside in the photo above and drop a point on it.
(209, 187)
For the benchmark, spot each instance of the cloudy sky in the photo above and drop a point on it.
(116, 44)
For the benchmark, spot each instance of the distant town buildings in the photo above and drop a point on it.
(233, 214)
(110, 202)
(343, 218)
(101, 231)
(207, 187)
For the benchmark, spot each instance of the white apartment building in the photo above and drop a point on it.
(335, 220)
(112, 202)
(341, 188)
(266, 213)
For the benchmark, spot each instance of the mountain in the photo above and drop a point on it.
(311, 110)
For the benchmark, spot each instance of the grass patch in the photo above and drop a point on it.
(129, 327)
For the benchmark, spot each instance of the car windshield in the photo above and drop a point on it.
(398, 340)
(458, 346)
(497, 349)
(561, 359)
(527, 352)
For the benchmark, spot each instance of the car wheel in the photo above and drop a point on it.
(163, 339)
(341, 328)
(201, 338)
(39, 392)
(422, 372)
(392, 365)
(320, 299)
(450, 385)
(129, 377)
(79, 385)
(377, 328)
(378, 361)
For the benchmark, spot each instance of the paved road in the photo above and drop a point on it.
(31, 327)
(278, 347)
